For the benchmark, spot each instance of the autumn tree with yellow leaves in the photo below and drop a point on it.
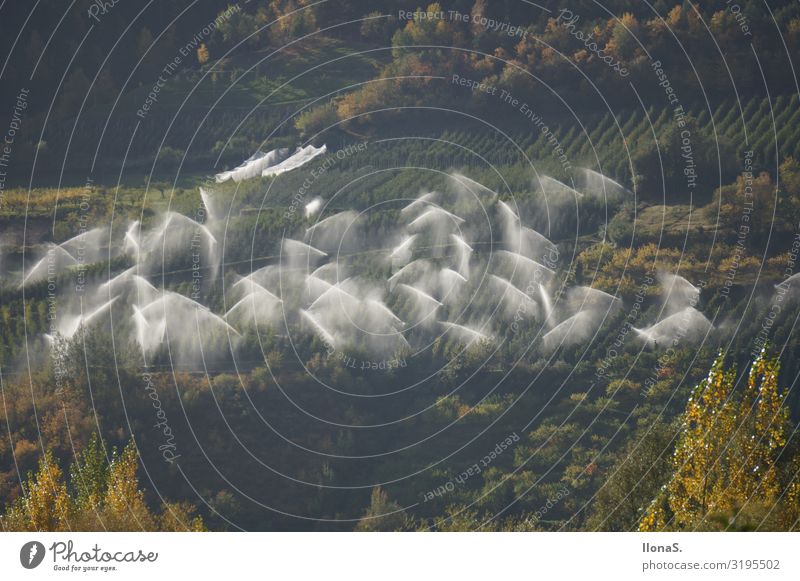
(100, 495)
(202, 54)
(732, 467)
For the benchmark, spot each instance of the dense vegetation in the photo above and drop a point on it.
(608, 434)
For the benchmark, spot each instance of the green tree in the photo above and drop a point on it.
(678, 152)
(634, 481)
(89, 475)
(383, 514)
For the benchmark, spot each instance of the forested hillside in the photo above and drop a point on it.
(339, 265)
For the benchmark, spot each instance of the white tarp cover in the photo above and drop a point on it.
(253, 166)
(300, 157)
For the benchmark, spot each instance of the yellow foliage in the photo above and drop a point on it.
(202, 54)
(124, 505)
(622, 270)
(725, 460)
(119, 506)
(48, 503)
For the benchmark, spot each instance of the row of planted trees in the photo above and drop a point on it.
(734, 465)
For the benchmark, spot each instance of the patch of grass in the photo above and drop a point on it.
(674, 222)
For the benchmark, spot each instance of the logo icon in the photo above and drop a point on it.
(31, 554)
